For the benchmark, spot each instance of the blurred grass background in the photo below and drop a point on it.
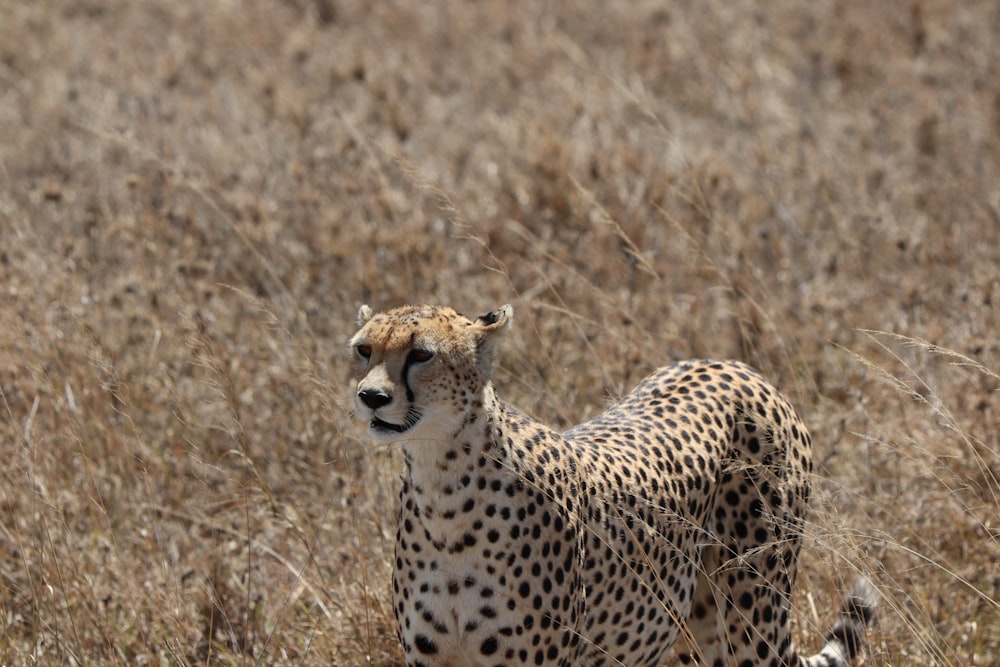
(196, 197)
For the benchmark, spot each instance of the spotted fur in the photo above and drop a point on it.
(668, 525)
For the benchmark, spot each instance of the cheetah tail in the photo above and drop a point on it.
(843, 644)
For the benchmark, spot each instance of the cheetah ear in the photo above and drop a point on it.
(496, 320)
(489, 330)
(364, 314)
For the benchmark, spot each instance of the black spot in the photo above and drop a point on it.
(489, 646)
(425, 645)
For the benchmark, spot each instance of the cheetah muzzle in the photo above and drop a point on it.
(669, 525)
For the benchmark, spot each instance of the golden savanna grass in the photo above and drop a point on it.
(196, 197)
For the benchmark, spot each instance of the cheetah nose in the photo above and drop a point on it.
(374, 398)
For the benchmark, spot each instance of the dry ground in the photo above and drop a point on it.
(195, 198)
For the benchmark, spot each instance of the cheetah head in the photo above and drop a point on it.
(423, 368)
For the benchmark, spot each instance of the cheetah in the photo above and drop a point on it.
(669, 525)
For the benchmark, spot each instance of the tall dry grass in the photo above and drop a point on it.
(194, 199)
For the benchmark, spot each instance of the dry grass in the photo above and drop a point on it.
(195, 197)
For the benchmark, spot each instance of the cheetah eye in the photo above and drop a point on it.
(364, 351)
(419, 356)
